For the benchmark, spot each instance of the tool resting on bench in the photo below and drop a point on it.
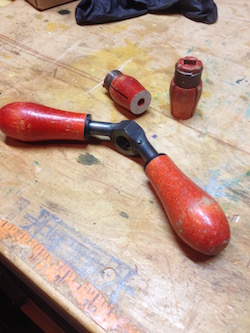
(195, 216)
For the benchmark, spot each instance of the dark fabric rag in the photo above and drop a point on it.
(103, 11)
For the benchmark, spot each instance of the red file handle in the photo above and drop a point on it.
(195, 216)
(32, 122)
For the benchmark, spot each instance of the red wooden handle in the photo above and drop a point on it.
(184, 101)
(129, 93)
(32, 122)
(195, 216)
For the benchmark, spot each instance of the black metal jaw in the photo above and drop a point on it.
(127, 136)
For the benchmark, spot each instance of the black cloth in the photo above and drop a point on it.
(103, 11)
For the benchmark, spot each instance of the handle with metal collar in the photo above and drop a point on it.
(195, 216)
(31, 122)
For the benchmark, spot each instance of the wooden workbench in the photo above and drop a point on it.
(81, 222)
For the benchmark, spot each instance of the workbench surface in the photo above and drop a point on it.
(81, 221)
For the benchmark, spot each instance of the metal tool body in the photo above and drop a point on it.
(127, 136)
(195, 216)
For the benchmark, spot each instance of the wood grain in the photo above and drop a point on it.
(82, 221)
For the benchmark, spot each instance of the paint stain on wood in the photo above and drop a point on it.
(87, 159)
(64, 12)
(58, 273)
(125, 215)
(52, 26)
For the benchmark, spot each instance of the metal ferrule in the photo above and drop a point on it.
(187, 80)
(110, 77)
(99, 128)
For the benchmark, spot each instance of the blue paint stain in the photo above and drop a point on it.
(247, 112)
(230, 83)
(190, 50)
(208, 81)
(154, 136)
(78, 252)
(239, 81)
(219, 187)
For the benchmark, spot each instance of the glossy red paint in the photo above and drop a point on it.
(184, 101)
(195, 216)
(130, 94)
(32, 122)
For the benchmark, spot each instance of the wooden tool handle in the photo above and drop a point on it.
(32, 122)
(195, 216)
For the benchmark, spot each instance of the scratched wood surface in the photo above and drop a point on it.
(81, 221)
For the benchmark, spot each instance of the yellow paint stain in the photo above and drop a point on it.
(39, 16)
(5, 56)
(210, 142)
(113, 58)
(116, 28)
(51, 27)
(4, 3)
(88, 73)
(79, 84)
(199, 112)
(206, 94)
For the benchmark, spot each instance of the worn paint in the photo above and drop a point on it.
(67, 244)
(58, 273)
(204, 225)
(220, 186)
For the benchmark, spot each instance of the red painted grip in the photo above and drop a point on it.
(32, 122)
(130, 94)
(195, 216)
(184, 101)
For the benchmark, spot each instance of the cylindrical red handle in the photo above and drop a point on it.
(32, 122)
(195, 216)
(126, 91)
(184, 101)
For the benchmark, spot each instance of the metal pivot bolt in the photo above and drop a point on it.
(127, 136)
